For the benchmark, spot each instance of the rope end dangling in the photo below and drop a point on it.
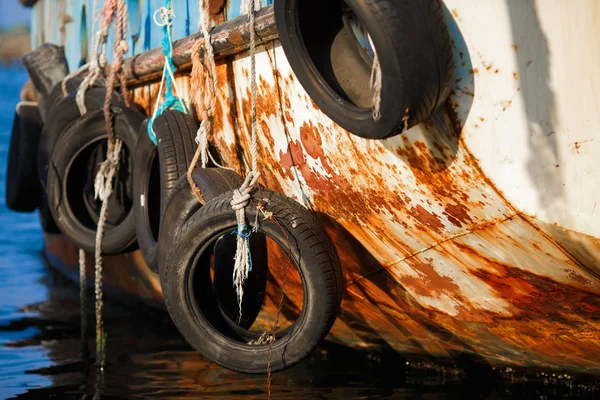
(107, 170)
(243, 259)
(376, 85)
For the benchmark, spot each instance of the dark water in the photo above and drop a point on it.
(40, 350)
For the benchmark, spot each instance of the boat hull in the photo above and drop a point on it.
(474, 234)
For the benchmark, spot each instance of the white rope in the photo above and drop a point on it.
(376, 83)
(97, 65)
(72, 75)
(241, 196)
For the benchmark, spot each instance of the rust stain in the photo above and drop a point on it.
(429, 282)
(458, 212)
(515, 76)
(426, 218)
(375, 299)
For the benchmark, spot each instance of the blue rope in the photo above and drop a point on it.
(244, 233)
(171, 102)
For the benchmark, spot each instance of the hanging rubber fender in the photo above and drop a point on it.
(182, 204)
(156, 170)
(332, 57)
(196, 311)
(71, 174)
(23, 190)
(46, 66)
(63, 114)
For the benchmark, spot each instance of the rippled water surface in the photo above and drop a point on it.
(40, 350)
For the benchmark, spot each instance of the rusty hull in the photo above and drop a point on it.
(436, 260)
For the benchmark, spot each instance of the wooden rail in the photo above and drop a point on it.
(228, 38)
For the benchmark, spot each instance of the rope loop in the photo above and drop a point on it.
(163, 17)
(166, 16)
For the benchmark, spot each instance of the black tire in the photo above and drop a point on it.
(23, 190)
(182, 203)
(180, 207)
(156, 170)
(56, 94)
(62, 116)
(71, 175)
(196, 312)
(415, 54)
(46, 66)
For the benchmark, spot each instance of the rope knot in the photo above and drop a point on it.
(240, 199)
(123, 46)
(102, 61)
(165, 14)
(107, 170)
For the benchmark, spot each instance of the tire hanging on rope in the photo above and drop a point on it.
(114, 10)
(72, 177)
(375, 67)
(182, 204)
(156, 169)
(196, 310)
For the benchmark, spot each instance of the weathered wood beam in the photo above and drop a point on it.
(228, 38)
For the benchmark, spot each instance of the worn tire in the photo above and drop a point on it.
(196, 311)
(415, 54)
(182, 204)
(46, 66)
(23, 190)
(70, 181)
(156, 170)
(62, 115)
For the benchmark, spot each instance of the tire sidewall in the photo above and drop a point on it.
(397, 54)
(146, 154)
(197, 329)
(83, 133)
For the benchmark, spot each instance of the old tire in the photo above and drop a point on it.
(415, 53)
(23, 190)
(182, 204)
(195, 309)
(46, 66)
(71, 174)
(156, 171)
(62, 115)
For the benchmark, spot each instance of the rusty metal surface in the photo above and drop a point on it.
(436, 260)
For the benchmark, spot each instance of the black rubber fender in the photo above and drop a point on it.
(196, 310)
(415, 54)
(23, 189)
(71, 174)
(46, 66)
(156, 170)
(62, 115)
(182, 204)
